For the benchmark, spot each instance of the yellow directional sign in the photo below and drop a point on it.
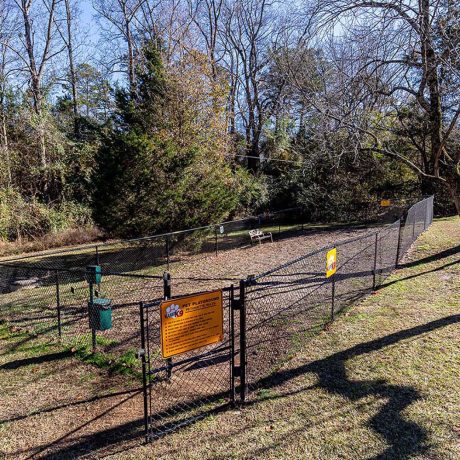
(385, 203)
(331, 262)
(191, 322)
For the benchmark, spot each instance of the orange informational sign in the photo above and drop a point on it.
(385, 203)
(191, 322)
(331, 262)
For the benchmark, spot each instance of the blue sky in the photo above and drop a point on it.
(87, 20)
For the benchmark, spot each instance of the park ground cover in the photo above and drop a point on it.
(63, 401)
(381, 382)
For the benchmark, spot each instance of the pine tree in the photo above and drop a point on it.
(161, 167)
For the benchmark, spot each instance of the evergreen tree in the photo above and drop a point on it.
(162, 167)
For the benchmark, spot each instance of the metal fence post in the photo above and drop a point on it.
(166, 286)
(91, 313)
(167, 296)
(243, 363)
(374, 271)
(232, 344)
(398, 247)
(431, 209)
(425, 223)
(333, 297)
(167, 251)
(58, 304)
(142, 352)
(215, 236)
(97, 256)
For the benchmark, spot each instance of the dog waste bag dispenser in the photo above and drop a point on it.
(94, 274)
(99, 309)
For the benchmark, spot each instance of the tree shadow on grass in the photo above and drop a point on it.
(405, 438)
(416, 275)
(71, 404)
(432, 258)
(16, 364)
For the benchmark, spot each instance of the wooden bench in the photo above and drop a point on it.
(259, 235)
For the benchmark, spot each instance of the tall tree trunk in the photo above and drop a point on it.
(232, 109)
(4, 145)
(35, 85)
(453, 185)
(36, 69)
(73, 76)
(432, 79)
(231, 112)
(129, 41)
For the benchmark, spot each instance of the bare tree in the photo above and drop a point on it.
(206, 15)
(251, 32)
(35, 48)
(69, 42)
(120, 19)
(6, 32)
(400, 65)
(66, 27)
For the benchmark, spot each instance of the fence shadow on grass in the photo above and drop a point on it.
(91, 442)
(48, 410)
(432, 258)
(111, 438)
(416, 275)
(405, 438)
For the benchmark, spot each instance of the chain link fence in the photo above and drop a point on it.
(417, 219)
(50, 294)
(180, 390)
(294, 301)
(154, 254)
(266, 325)
(63, 297)
(61, 306)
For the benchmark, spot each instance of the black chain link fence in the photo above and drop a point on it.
(49, 294)
(154, 254)
(56, 296)
(62, 306)
(183, 389)
(296, 300)
(266, 324)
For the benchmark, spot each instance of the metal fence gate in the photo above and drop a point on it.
(181, 390)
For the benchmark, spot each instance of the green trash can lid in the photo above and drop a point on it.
(101, 302)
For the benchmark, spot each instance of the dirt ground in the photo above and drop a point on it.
(55, 406)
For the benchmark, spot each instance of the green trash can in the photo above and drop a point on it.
(100, 314)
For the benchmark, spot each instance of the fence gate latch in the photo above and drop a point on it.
(236, 304)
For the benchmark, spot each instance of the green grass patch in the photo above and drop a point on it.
(9, 332)
(125, 364)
